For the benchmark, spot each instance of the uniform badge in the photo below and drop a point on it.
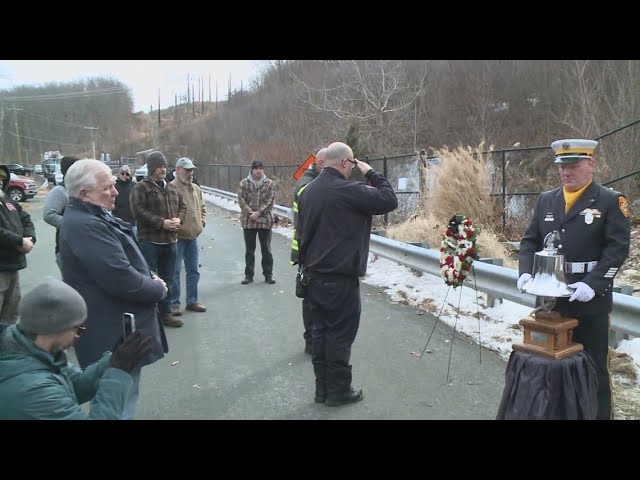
(548, 217)
(10, 207)
(588, 218)
(624, 206)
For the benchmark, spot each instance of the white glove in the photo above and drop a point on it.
(524, 278)
(582, 293)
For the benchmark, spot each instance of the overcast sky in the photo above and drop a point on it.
(144, 77)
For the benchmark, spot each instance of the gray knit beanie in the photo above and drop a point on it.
(52, 306)
(154, 160)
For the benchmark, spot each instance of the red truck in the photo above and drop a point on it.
(21, 189)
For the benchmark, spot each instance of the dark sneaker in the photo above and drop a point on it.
(269, 279)
(320, 397)
(175, 310)
(352, 395)
(247, 280)
(171, 321)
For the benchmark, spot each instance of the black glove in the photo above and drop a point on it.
(131, 351)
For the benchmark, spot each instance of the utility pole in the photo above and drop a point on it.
(15, 121)
(93, 140)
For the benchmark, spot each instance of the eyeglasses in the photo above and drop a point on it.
(352, 161)
(125, 174)
(80, 329)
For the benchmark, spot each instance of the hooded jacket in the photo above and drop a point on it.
(38, 385)
(15, 224)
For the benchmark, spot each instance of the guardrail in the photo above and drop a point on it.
(495, 281)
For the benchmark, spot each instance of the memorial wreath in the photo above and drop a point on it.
(458, 250)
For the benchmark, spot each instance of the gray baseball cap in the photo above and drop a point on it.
(185, 162)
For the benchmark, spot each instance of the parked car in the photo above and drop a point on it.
(48, 170)
(19, 169)
(21, 189)
(141, 172)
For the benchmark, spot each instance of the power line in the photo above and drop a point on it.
(51, 119)
(45, 140)
(60, 96)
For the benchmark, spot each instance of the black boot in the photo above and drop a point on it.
(247, 280)
(350, 396)
(269, 279)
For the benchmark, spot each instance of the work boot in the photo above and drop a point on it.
(269, 279)
(170, 321)
(321, 396)
(247, 280)
(196, 307)
(175, 310)
(350, 396)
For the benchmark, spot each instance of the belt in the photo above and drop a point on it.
(580, 267)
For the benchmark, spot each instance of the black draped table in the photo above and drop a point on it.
(539, 388)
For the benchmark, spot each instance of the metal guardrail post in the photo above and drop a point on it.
(491, 300)
(615, 336)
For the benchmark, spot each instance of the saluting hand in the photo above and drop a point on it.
(364, 167)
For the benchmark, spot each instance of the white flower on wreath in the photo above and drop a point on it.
(457, 264)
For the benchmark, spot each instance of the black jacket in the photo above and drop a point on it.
(334, 221)
(15, 224)
(122, 208)
(604, 236)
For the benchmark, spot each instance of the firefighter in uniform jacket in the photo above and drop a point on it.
(334, 227)
(311, 173)
(593, 222)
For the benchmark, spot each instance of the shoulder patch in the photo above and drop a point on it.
(624, 206)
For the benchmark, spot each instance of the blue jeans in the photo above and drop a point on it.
(129, 410)
(161, 259)
(187, 250)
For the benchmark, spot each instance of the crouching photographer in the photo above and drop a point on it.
(36, 380)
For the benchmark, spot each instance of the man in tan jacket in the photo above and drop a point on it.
(187, 246)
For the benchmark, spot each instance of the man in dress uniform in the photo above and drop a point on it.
(594, 227)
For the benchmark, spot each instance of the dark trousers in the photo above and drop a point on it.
(593, 333)
(264, 235)
(334, 303)
(161, 260)
(306, 321)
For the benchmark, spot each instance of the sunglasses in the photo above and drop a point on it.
(80, 329)
(125, 174)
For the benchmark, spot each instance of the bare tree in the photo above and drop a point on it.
(360, 90)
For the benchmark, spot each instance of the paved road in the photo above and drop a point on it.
(243, 358)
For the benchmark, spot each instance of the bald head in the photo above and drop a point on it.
(336, 152)
(320, 158)
(339, 156)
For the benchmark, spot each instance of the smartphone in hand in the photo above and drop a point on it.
(128, 323)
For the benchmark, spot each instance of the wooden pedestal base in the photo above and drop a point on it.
(549, 335)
